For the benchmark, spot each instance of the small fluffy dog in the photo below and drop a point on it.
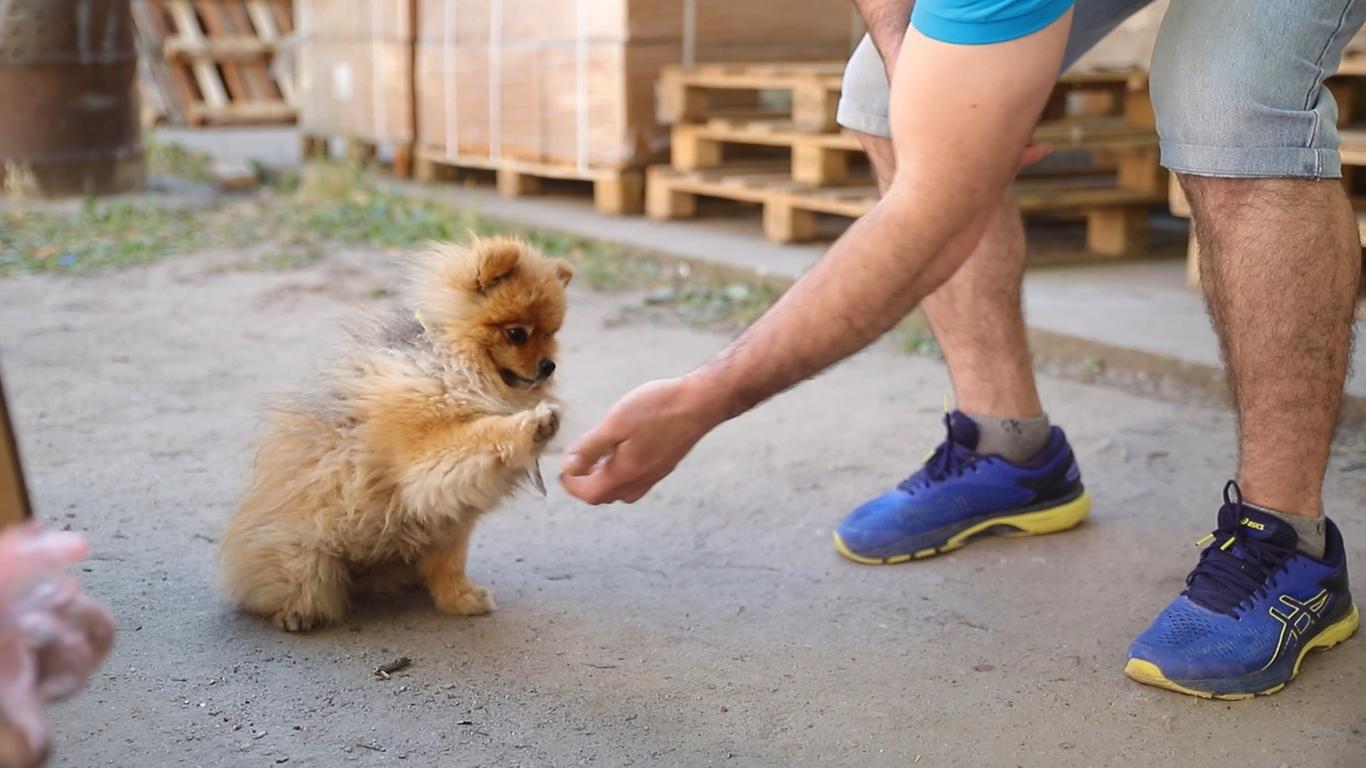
(373, 477)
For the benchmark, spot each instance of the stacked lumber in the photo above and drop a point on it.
(792, 107)
(215, 61)
(564, 89)
(355, 62)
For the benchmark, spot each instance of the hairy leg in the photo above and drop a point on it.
(977, 316)
(1280, 266)
(444, 572)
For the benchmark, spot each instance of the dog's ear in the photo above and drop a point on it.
(564, 271)
(487, 262)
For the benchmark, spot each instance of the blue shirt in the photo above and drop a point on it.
(978, 22)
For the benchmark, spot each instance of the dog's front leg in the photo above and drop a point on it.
(444, 571)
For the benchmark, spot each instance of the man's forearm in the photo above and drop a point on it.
(887, 21)
(960, 117)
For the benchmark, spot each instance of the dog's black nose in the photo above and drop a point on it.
(547, 368)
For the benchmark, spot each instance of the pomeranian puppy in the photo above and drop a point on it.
(373, 477)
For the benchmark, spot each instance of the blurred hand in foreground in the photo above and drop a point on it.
(52, 637)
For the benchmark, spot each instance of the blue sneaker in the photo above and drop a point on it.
(960, 493)
(1252, 609)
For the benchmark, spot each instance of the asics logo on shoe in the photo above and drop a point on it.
(1296, 622)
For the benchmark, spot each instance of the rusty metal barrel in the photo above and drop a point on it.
(68, 100)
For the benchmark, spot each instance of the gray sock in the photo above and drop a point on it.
(1309, 529)
(1015, 440)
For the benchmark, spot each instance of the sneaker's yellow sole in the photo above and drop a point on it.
(1149, 673)
(1037, 522)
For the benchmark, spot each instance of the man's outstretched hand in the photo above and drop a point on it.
(640, 441)
(52, 637)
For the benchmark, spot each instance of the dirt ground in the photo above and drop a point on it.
(710, 624)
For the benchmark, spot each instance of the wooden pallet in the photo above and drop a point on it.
(685, 94)
(615, 191)
(1116, 217)
(315, 146)
(214, 59)
(822, 159)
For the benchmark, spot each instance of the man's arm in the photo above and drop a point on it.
(887, 21)
(960, 116)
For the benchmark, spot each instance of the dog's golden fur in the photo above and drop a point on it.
(376, 474)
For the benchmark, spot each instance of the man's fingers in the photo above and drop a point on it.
(594, 489)
(1033, 154)
(581, 457)
(26, 550)
(604, 481)
(24, 735)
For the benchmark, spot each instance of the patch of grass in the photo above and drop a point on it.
(99, 236)
(165, 158)
(296, 216)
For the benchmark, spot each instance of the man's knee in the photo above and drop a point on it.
(1217, 200)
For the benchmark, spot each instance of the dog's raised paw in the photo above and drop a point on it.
(547, 419)
(472, 601)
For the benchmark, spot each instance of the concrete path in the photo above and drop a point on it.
(710, 624)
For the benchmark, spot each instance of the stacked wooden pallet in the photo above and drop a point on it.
(565, 89)
(792, 107)
(214, 61)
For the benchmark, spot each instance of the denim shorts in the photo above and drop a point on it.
(1237, 87)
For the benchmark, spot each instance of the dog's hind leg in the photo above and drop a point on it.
(272, 571)
(444, 571)
(318, 586)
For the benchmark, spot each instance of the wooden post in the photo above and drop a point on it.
(1117, 231)
(690, 151)
(620, 194)
(662, 201)
(14, 506)
(819, 166)
(813, 107)
(513, 184)
(784, 223)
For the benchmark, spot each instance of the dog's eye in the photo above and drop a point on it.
(517, 336)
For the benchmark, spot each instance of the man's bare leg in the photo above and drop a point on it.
(1280, 266)
(977, 316)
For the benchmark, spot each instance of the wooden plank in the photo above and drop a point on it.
(1117, 232)
(216, 27)
(1353, 63)
(258, 73)
(205, 73)
(1116, 216)
(227, 49)
(1353, 147)
(623, 195)
(1176, 198)
(263, 18)
(616, 191)
(153, 21)
(247, 113)
(284, 16)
